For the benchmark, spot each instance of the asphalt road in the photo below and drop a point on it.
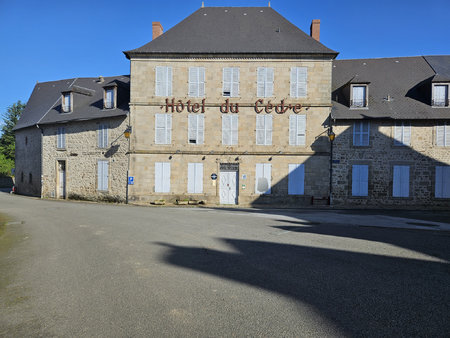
(98, 270)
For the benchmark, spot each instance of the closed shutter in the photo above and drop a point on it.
(360, 180)
(400, 184)
(442, 186)
(227, 79)
(263, 173)
(234, 129)
(299, 79)
(406, 134)
(193, 81)
(361, 132)
(230, 129)
(102, 173)
(264, 129)
(102, 136)
(443, 135)
(169, 81)
(235, 83)
(261, 79)
(195, 178)
(268, 126)
(402, 134)
(195, 129)
(294, 82)
(260, 129)
(200, 129)
(162, 177)
(163, 128)
(296, 179)
(297, 130)
(269, 82)
(163, 81)
(61, 138)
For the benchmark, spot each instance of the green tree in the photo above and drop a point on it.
(7, 140)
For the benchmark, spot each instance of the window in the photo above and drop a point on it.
(359, 96)
(440, 95)
(163, 128)
(229, 130)
(197, 81)
(21, 177)
(263, 177)
(102, 176)
(264, 129)
(67, 102)
(400, 186)
(30, 178)
(360, 180)
(162, 177)
(443, 135)
(61, 138)
(297, 130)
(265, 82)
(296, 179)
(195, 178)
(102, 136)
(231, 81)
(442, 188)
(196, 126)
(402, 134)
(109, 98)
(299, 77)
(163, 81)
(361, 133)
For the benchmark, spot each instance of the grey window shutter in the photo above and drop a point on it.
(261, 79)
(260, 129)
(227, 78)
(159, 80)
(201, 81)
(100, 136)
(158, 176)
(169, 81)
(191, 178)
(100, 175)
(293, 130)
(200, 129)
(168, 128)
(226, 129)
(269, 82)
(268, 129)
(193, 82)
(398, 135)
(234, 129)
(406, 134)
(235, 82)
(301, 130)
(166, 177)
(192, 128)
(302, 79)
(440, 135)
(268, 176)
(447, 135)
(294, 82)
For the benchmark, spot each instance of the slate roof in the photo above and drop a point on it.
(44, 105)
(233, 30)
(399, 88)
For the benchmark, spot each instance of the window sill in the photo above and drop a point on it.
(61, 149)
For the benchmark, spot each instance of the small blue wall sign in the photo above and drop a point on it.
(131, 180)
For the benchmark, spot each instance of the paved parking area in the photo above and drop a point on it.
(84, 269)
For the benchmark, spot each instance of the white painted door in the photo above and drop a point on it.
(228, 187)
(62, 179)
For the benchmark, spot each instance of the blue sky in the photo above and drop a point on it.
(50, 40)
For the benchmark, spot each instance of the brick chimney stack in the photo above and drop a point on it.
(315, 29)
(157, 29)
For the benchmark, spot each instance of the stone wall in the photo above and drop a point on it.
(28, 161)
(381, 155)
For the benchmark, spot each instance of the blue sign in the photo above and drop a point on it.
(214, 176)
(130, 180)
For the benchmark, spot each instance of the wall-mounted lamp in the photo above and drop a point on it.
(331, 135)
(203, 158)
(127, 132)
(170, 157)
(270, 158)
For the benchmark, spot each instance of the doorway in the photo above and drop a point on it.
(61, 180)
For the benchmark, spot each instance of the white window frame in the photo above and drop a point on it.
(230, 82)
(441, 102)
(263, 170)
(61, 138)
(196, 128)
(233, 129)
(359, 136)
(102, 175)
(299, 82)
(165, 130)
(66, 108)
(109, 102)
(103, 135)
(402, 134)
(360, 180)
(264, 129)
(195, 178)
(364, 102)
(400, 181)
(265, 79)
(162, 177)
(297, 130)
(196, 81)
(163, 81)
(296, 179)
(443, 135)
(442, 182)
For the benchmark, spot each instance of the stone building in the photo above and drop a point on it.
(231, 117)
(69, 139)
(391, 118)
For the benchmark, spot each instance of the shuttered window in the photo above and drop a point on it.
(163, 81)
(361, 133)
(231, 81)
(229, 129)
(440, 95)
(102, 136)
(297, 130)
(102, 175)
(163, 128)
(442, 188)
(263, 177)
(196, 126)
(400, 186)
(61, 138)
(402, 134)
(162, 177)
(296, 179)
(299, 78)
(195, 178)
(264, 82)
(264, 129)
(443, 135)
(360, 180)
(359, 96)
(197, 81)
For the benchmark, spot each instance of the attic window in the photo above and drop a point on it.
(358, 96)
(440, 95)
(67, 102)
(109, 98)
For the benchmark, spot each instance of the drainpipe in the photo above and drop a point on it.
(331, 136)
(41, 160)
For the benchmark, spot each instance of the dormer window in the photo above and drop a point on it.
(67, 102)
(358, 96)
(440, 95)
(110, 98)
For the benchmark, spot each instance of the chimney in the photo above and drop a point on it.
(315, 29)
(157, 29)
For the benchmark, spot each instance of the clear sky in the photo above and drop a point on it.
(45, 40)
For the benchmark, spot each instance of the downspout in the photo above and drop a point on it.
(331, 137)
(41, 160)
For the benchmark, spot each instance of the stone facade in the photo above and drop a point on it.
(28, 166)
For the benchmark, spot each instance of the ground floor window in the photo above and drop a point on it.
(442, 188)
(400, 186)
(296, 179)
(162, 177)
(195, 178)
(263, 177)
(102, 177)
(360, 180)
